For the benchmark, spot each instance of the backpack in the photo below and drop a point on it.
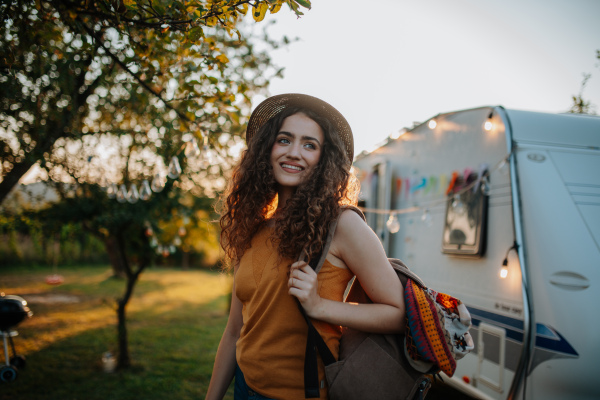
(390, 366)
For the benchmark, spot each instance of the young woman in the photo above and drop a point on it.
(291, 183)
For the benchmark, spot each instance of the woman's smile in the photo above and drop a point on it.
(294, 168)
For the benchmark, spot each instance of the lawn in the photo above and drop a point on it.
(175, 319)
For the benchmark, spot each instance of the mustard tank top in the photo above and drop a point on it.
(270, 350)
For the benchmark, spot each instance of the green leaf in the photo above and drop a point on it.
(303, 3)
(195, 33)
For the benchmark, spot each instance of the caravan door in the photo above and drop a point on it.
(379, 198)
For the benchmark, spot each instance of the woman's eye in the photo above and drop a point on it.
(283, 140)
(310, 146)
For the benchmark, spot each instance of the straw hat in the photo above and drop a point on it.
(276, 104)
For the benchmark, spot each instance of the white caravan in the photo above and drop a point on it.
(501, 208)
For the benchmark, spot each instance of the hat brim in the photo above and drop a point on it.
(272, 106)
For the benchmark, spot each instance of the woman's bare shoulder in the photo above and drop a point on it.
(350, 216)
(352, 233)
(350, 220)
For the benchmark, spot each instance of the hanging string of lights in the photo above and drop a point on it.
(120, 192)
(190, 149)
(393, 225)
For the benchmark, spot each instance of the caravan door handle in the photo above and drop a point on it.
(569, 280)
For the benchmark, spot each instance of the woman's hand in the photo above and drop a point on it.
(303, 285)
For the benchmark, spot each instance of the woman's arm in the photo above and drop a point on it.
(225, 362)
(359, 248)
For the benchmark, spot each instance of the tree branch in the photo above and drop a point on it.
(132, 74)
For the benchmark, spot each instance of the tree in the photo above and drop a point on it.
(129, 225)
(111, 92)
(580, 105)
(65, 63)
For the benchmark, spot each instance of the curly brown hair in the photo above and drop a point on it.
(301, 223)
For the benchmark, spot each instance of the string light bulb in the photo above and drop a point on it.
(396, 135)
(458, 206)
(488, 125)
(503, 166)
(174, 168)
(133, 195)
(432, 123)
(111, 190)
(158, 183)
(122, 194)
(191, 149)
(504, 267)
(145, 191)
(426, 217)
(393, 224)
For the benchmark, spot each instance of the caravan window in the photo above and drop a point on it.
(466, 215)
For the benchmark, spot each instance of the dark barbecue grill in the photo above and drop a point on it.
(13, 310)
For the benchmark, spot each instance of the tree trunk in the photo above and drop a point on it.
(116, 257)
(123, 360)
(185, 260)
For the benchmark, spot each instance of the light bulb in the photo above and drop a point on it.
(145, 191)
(174, 168)
(458, 206)
(393, 224)
(122, 194)
(158, 183)
(133, 195)
(432, 124)
(503, 167)
(207, 157)
(485, 188)
(191, 149)
(503, 272)
(112, 190)
(488, 125)
(426, 218)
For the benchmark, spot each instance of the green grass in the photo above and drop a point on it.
(175, 321)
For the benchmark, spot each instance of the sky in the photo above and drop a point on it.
(386, 64)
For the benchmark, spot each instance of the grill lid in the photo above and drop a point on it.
(13, 310)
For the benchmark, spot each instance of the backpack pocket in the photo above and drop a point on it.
(370, 372)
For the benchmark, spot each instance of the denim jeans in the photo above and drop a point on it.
(241, 391)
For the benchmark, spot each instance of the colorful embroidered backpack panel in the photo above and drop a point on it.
(438, 329)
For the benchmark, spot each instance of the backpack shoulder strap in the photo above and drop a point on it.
(314, 340)
(404, 273)
(357, 294)
(356, 210)
(317, 263)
